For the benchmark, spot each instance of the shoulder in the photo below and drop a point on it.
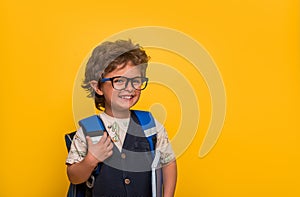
(147, 115)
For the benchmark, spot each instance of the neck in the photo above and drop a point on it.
(118, 114)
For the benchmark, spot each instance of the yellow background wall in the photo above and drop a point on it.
(255, 44)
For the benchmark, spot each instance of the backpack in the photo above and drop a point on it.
(94, 124)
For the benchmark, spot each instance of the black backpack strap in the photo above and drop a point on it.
(68, 139)
(79, 190)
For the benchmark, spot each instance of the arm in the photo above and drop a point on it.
(80, 172)
(170, 178)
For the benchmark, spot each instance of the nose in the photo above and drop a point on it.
(129, 87)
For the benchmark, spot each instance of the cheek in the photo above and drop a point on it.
(108, 94)
(138, 93)
(106, 89)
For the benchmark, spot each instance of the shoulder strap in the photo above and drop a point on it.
(69, 139)
(147, 122)
(91, 124)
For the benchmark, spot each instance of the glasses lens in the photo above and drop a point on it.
(139, 83)
(119, 83)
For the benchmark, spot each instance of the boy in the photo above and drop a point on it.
(115, 75)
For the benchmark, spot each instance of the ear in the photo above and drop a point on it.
(94, 85)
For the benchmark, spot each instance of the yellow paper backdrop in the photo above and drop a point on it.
(255, 44)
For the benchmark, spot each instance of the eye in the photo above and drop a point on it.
(137, 80)
(119, 81)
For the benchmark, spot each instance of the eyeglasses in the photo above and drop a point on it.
(120, 82)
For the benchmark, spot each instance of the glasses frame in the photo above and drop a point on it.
(144, 79)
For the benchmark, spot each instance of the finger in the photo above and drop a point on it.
(108, 141)
(89, 141)
(110, 146)
(109, 153)
(103, 138)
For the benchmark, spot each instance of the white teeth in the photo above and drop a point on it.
(126, 97)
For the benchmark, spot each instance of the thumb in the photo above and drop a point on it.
(89, 141)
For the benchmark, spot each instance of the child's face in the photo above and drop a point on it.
(119, 102)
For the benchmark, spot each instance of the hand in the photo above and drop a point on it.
(102, 149)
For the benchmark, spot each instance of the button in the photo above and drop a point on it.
(127, 181)
(123, 155)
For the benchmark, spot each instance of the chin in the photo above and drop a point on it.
(129, 103)
(122, 108)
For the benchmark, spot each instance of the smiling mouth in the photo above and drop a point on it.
(126, 97)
